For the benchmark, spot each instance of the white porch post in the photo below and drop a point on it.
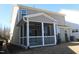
(27, 32)
(43, 33)
(55, 33)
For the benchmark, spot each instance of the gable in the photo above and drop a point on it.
(42, 18)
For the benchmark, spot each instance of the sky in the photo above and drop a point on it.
(6, 11)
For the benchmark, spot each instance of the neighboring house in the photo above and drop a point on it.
(32, 27)
(74, 29)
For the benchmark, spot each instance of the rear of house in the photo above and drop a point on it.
(74, 29)
(32, 27)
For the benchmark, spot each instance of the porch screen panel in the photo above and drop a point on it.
(49, 40)
(35, 33)
(48, 29)
(21, 29)
(35, 41)
(25, 30)
(49, 33)
(35, 29)
(23, 34)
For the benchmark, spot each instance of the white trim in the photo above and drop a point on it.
(27, 32)
(51, 18)
(40, 21)
(37, 36)
(36, 46)
(43, 33)
(24, 19)
(42, 45)
(55, 33)
(48, 44)
(34, 36)
(38, 14)
(49, 36)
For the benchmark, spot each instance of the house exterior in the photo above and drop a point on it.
(32, 27)
(74, 29)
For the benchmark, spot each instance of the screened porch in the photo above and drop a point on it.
(37, 33)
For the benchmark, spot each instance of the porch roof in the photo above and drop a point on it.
(35, 15)
(39, 14)
(64, 26)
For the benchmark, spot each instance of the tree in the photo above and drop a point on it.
(4, 33)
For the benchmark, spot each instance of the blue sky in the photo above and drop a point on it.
(6, 10)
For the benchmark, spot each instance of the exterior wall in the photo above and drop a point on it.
(14, 29)
(62, 30)
(14, 33)
(32, 11)
(74, 27)
(15, 38)
(68, 34)
(62, 34)
(60, 20)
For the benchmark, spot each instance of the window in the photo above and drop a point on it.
(74, 30)
(48, 29)
(35, 29)
(23, 12)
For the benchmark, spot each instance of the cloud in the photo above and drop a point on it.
(71, 15)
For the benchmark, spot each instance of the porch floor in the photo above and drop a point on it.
(63, 48)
